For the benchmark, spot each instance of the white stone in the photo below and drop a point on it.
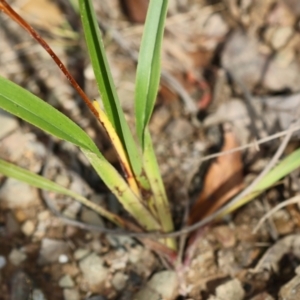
(63, 258)
(281, 36)
(28, 228)
(44, 215)
(215, 26)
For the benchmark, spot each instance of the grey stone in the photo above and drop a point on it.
(72, 210)
(120, 241)
(119, 281)
(81, 253)
(94, 272)
(2, 262)
(16, 194)
(90, 217)
(66, 282)
(179, 129)
(98, 297)
(163, 285)
(37, 294)
(71, 294)
(16, 257)
(51, 250)
(242, 58)
(232, 290)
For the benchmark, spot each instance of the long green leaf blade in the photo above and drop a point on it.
(149, 65)
(105, 83)
(13, 171)
(160, 197)
(32, 109)
(122, 191)
(285, 167)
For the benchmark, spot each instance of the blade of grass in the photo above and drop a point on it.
(119, 148)
(285, 167)
(147, 82)
(106, 86)
(161, 203)
(34, 110)
(5, 7)
(13, 171)
(125, 195)
(148, 69)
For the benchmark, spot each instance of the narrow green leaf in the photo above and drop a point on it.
(11, 170)
(32, 109)
(149, 65)
(106, 85)
(160, 197)
(122, 191)
(285, 167)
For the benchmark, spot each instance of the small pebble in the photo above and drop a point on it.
(8, 123)
(28, 228)
(98, 297)
(37, 294)
(63, 258)
(16, 257)
(119, 281)
(66, 282)
(94, 271)
(51, 250)
(2, 262)
(71, 294)
(44, 215)
(81, 253)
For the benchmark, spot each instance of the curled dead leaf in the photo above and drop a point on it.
(135, 10)
(223, 180)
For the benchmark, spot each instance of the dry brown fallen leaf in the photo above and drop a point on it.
(43, 13)
(135, 10)
(223, 180)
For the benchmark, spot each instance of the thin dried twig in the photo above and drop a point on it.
(293, 200)
(245, 192)
(252, 144)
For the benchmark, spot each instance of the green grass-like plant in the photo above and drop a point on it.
(140, 190)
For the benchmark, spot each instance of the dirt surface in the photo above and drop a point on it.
(230, 77)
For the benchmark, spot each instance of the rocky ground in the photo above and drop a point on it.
(225, 63)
